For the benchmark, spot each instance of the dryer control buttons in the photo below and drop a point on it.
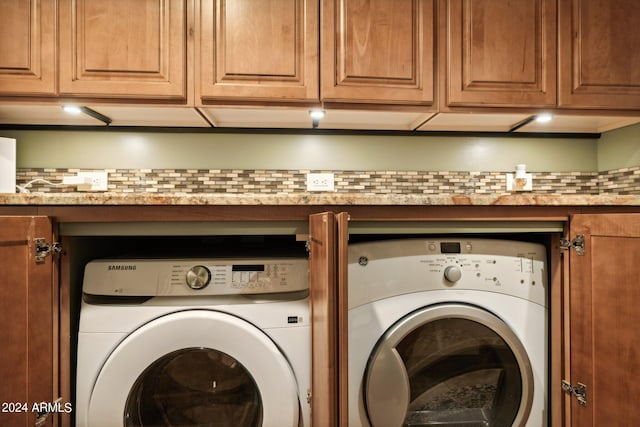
(198, 277)
(452, 273)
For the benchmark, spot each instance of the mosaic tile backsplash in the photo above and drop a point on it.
(620, 181)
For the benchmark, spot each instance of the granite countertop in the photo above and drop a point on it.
(250, 199)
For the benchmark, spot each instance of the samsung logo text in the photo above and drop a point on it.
(121, 267)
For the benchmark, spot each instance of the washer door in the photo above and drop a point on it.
(195, 368)
(449, 364)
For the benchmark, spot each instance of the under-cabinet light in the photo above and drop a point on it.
(72, 109)
(538, 118)
(316, 116)
(76, 109)
(544, 118)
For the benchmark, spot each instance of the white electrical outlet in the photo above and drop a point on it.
(320, 182)
(99, 181)
(522, 184)
(76, 180)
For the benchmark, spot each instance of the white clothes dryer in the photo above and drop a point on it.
(447, 333)
(194, 342)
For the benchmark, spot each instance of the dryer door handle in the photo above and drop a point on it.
(387, 389)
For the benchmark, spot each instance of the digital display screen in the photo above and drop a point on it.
(248, 267)
(450, 247)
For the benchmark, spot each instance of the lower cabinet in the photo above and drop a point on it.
(593, 292)
(593, 298)
(29, 318)
(602, 318)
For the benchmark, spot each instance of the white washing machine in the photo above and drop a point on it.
(447, 332)
(194, 342)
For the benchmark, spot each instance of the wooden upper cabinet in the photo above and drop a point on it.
(599, 51)
(257, 50)
(378, 51)
(499, 53)
(123, 48)
(27, 47)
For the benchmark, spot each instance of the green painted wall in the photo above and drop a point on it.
(619, 149)
(155, 150)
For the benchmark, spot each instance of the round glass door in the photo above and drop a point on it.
(195, 368)
(449, 365)
(194, 387)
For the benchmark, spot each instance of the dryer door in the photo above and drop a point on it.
(450, 364)
(195, 368)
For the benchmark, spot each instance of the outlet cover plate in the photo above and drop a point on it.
(511, 183)
(99, 181)
(320, 182)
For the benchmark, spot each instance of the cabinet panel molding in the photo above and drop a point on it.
(378, 51)
(27, 47)
(257, 50)
(599, 54)
(123, 48)
(500, 53)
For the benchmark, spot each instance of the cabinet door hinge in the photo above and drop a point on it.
(577, 244)
(44, 249)
(44, 411)
(579, 391)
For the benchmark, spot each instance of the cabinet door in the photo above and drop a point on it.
(599, 54)
(123, 48)
(27, 47)
(604, 297)
(251, 50)
(500, 53)
(328, 266)
(28, 316)
(378, 51)
(342, 309)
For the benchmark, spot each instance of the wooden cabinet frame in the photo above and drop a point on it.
(328, 239)
(415, 55)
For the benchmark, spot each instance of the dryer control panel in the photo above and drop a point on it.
(176, 277)
(384, 269)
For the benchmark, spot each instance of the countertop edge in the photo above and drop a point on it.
(311, 199)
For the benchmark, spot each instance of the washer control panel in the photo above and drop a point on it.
(175, 277)
(383, 269)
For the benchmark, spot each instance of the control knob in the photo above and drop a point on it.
(198, 277)
(452, 273)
